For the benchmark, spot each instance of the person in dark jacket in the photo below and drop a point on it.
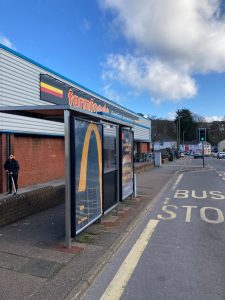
(12, 168)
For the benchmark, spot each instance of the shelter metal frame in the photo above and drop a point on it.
(63, 113)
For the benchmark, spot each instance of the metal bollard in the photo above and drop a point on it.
(135, 185)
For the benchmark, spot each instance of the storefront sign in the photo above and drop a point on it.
(127, 163)
(57, 92)
(88, 173)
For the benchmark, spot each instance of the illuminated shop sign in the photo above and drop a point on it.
(57, 92)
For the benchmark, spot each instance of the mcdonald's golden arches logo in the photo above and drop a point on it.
(83, 166)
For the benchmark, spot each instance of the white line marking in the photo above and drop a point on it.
(177, 181)
(117, 286)
(195, 171)
(166, 200)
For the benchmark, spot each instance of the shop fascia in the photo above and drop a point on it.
(55, 91)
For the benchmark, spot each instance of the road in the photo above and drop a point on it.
(177, 251)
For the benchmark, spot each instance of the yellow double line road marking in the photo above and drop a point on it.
(117, 286)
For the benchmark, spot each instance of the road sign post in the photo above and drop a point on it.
(203, 154)
(202, 139)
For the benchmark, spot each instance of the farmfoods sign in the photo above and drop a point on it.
(57, 92)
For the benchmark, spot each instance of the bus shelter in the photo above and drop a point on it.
(98, 161)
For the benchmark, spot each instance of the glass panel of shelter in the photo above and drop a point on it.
(110, 157)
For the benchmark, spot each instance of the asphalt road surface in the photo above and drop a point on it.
(177, 251)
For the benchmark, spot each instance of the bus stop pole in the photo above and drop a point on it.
(67, 179)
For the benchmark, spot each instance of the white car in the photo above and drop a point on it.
(220, 155)
(214, 154)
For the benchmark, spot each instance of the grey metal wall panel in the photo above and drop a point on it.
(22, 124)
(19, 85)
(142, 134)
(20, 81)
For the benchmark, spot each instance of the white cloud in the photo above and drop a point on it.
(186, 37)
(151, 75)
(5, 41)
(214, 118)
(171, 116)
(111, 94)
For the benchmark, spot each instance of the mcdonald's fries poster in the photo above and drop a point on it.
(88, 172)
(127, 163)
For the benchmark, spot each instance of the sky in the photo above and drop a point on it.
(151, 56)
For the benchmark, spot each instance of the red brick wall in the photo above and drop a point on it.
(143, 147)
(41, 158)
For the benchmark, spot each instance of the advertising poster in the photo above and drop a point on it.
(88, 173)
(127, 163)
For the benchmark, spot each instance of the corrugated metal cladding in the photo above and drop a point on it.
(19, 85)
(13, 123)
(142, 134)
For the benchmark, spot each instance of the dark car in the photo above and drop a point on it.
(198, 156)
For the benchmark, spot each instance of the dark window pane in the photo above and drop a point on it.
(109, 148)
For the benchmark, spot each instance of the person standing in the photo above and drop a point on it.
(12, 168)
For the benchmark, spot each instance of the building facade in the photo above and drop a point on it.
(39, 143)
(196, 148)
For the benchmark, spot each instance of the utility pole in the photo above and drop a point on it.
(178, 135)
(183, 139)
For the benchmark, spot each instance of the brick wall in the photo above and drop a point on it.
(17, 207)
(143, 147)
(41, 158)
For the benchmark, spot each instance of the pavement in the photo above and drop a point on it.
(34, 264)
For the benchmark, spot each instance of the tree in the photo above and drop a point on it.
(216, 132)
(163, 129)
(188, 125)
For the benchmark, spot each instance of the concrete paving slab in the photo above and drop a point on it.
(40, 268)
(51, 253)
(12, 262)
(17, 286)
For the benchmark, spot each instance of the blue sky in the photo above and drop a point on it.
(150, 56)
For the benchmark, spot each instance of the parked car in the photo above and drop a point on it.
(220, 155)
(214, 154)
(181, 154)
